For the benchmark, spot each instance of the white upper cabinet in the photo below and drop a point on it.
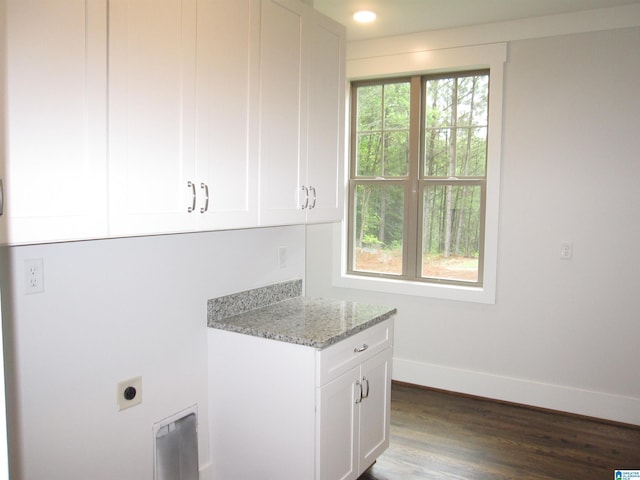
(182, 124)
(152, 65)
(54, 175)
(283, 113)
(226, 146)
(301, 114)
(325, 134)
(142, 117)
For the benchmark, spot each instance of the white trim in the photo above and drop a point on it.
(603, 405)
(206, 472)
(611, 18)
(431, 61)
(465, 58)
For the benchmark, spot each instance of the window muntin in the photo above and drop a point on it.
(422, 222)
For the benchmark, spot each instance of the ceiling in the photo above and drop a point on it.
(396, 17)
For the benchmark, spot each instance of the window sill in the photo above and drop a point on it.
(404, 287)
(485, 294)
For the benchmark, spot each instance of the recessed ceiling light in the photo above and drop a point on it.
(364, 16)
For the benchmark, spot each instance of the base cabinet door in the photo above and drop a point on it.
(374, 409)
(353, 423)
(338, 428)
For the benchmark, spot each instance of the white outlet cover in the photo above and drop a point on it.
(136, 383)
(566, 250)
(34, 275)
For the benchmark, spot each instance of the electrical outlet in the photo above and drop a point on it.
(34, 275)
(566, 250)
(129, 393)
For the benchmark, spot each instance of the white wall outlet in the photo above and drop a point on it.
(129, 393)
(34, 275)
(566, 250)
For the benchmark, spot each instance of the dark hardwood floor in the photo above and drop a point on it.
(439, 435)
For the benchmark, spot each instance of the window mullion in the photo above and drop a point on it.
(412, 222)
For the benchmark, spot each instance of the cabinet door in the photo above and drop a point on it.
(374, 408)
(152, 49)
(337, 456)
(283, 111)
(55, 171)
(227, 63)
(325, 160)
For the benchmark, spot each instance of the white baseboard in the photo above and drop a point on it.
(206, 472)
(555, 397)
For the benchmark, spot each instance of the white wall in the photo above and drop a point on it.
(112, 310)
(562, 334)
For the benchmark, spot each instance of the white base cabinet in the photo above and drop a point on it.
(291, 412)
(353, 424)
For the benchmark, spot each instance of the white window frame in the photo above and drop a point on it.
(491, 56)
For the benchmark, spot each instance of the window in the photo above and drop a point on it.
(417, 187)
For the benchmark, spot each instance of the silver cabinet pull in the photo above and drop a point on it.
(1, 198)
(366, 380)
(313, 203)
(193, 197)
(358, 392)
(206, 197)
(361, 349)
(306, 196)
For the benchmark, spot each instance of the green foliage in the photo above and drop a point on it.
(383, 130)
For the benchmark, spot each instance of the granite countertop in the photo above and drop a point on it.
(313, 322)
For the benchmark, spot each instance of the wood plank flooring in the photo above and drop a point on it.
(439, 435)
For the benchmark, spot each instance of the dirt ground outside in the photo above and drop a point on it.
(390, 261)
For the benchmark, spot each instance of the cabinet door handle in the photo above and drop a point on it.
(193, 197)
(206, 197)
(365, 380)
(361, 349)
(306, 196)
(358, 392)
(313, 203)
(1, 198)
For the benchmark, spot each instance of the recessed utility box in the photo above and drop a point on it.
(176, 446)
(129, 393)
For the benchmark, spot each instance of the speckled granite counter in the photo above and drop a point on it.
(291, 318)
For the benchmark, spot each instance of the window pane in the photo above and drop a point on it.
(439, 102)
(396, 106)
(457, 105)
(369, 108)
(451, 232)
(471, 152)
(396, 154)
(383, 130)
(378, 230)
(369, 154)
(472, 96)
(438, 158)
